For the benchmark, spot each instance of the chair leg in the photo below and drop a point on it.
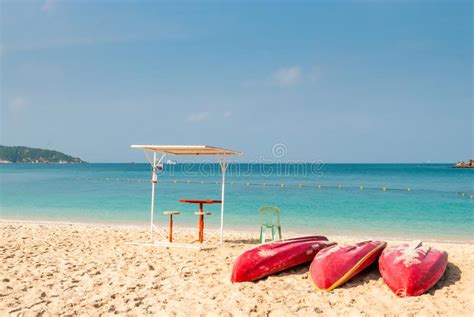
(263, 232)
(279, 232)
(273, 233)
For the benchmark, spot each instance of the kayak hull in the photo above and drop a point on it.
(270, 258)
(332, 267)
(411, 270)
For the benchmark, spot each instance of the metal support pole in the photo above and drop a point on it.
(154, 180)
(224, 165)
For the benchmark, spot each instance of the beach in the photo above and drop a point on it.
(64, 269)
(124, 123)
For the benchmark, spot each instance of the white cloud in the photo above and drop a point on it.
(227, 114)
(17, 104)
(287, 76)
(49, 6)
(198, 117)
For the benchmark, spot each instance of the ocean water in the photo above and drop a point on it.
(420, 200)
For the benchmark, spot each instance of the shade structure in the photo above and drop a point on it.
(163, 150)
(186, 149)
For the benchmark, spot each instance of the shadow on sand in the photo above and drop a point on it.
(450, 277)
(250, 241)
(369, 274)
(298, 270)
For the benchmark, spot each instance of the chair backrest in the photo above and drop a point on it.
(270, 215)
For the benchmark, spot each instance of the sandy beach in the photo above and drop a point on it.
(59, 269)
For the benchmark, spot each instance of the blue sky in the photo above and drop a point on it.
(337, 81)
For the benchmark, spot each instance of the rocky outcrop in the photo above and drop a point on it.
(462, 164)
(23, 154)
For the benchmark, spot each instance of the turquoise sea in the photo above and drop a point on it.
(420, 200)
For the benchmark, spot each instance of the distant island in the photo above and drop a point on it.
(23, 154)
(463, 164)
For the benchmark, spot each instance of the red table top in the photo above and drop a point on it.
(200, 201)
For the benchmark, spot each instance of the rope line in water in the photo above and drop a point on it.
(319, 186)
(281, 185)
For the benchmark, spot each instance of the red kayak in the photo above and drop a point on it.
(273, 257)
(412, 269)
(334, 266)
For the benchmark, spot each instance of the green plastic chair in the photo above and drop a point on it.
(270, 219)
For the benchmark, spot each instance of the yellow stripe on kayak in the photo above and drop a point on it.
(348, 275)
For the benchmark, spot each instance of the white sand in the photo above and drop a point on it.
(67, 269)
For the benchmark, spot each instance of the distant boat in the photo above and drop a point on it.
(171, 162)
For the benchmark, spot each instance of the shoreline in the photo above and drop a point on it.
(242, 230)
